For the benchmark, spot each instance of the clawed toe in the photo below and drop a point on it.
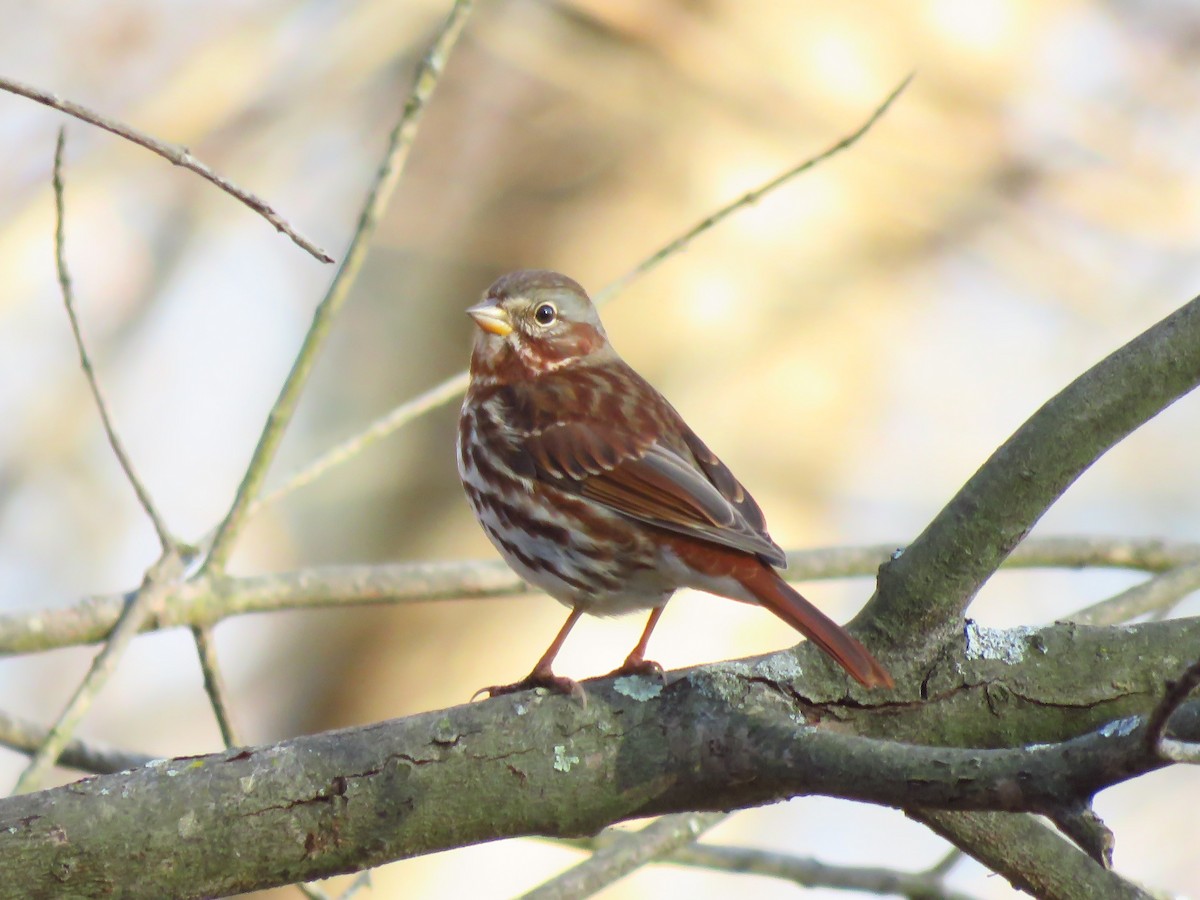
(646, 667)
(557, 684)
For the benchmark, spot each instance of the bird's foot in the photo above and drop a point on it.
(636, 665)
(556, 684)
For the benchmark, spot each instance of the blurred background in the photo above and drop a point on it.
(854, 345)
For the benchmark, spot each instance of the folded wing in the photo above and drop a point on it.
(684, 488)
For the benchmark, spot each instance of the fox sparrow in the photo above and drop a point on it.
(594, 489)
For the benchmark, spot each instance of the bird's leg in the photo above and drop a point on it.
(636, 662)
(542, 674)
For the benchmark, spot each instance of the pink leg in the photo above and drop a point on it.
(636, 662)
(543, 673)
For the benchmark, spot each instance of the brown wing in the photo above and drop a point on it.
(674, 488)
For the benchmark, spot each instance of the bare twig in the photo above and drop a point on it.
(625, 853)
(96, 759)
(178, 156)
(147, 601)
(803, 871)
(453, 386)
(85, 362)
(363, 881)
(1143, 554)
(943, 866)
(749, 198)
(380, 428)
(812, 873)
(399, 144)
(214, 684)
(149, 597)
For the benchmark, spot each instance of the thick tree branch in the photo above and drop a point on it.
(721, 737)
(922, 594)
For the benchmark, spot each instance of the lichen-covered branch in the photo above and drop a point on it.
(720, 737)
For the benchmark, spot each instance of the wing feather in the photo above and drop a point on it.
(655, 484)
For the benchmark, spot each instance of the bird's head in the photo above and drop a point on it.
(538, 320)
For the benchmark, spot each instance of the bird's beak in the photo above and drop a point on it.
(491, 318)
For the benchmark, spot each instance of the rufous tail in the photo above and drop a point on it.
(780, 598)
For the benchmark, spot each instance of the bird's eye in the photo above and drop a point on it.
(545, 314)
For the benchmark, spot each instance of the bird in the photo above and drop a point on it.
(593, 488)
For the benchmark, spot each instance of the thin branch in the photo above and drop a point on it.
(400, 142)
(454, 386)
(214, 684)
(178, 156)
(1141, 554)
(750, 198)
(362, 882)
(68, 295)
(207, 601)
(625, 853)
(812, 873)
(1153, 595)
(95, 759)
(943, 866)
(148, 600)
(424, 402)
